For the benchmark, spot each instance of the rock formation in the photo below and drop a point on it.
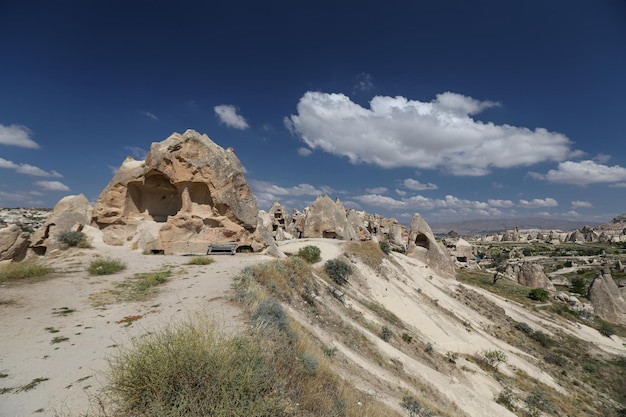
(327, 218)
(607, 299)
(72, 212)
(13, 243)
(422, 245)
(529, 274)
(189, 192)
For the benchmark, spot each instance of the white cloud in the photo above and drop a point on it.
(618, 185)
(415, 185)
(228, 115)
(377, 190)
(401, 193)
(52, 185)
(150, 115)
(304, 152)
(583, 173)
(440, 134)
(137, 152)
(578, 204)
(28, 169)
(363, 82)
(539, 203)
(15, 135)
(500, 203)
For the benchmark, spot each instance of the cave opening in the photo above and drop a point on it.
(422, 241)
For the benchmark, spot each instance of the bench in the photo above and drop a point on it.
(225, 248)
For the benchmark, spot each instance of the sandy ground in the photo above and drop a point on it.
(75, 369)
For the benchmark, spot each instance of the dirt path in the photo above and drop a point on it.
(55, 340)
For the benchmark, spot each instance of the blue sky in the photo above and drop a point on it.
(452, 109)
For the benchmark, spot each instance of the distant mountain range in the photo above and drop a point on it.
(487, 226)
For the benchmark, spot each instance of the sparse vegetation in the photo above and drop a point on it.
(200, 260)
(386, 333)
(23, 270)
(338, 271)
(141, 286)
(73, 238)
(310, 254)
(106, 266)
(385, 247)
(505, 398)
(452, 356)
(538, 294)
(494, 358)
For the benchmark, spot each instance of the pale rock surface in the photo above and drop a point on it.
(606, 298)
(13, 243)
(71, 213)
(423, 246)
(190, 191)
(530, 274)
(327, 219)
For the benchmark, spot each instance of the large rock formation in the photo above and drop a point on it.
(422, 245)
(529, 274)
(72, 212)
(327, 218)
(13, 243)
(189, 192)
(606, 298)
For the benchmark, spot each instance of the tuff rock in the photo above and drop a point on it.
(13, 243)
(422, 245)
(606, 298)
(71, 213)
(188, 192)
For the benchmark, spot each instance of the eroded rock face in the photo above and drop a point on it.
(13, 243)
(192, 191)
(606, 298)
(422, 245)
(327, 219)
(530, 274)
(71, 213)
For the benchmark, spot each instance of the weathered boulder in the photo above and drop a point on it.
(327, 219)
(607, 299)
(422, 245)
(13, 243)
(530, 274)
(71, 213)
(193, 191)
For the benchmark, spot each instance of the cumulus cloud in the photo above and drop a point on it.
(583, 173)
(27, 169)
(440, 134)
(52, 185)
(415, 185)
(377, 190)
(578, 204)
(15, 135)
(500, 203)
(539, 202)
(228, 115)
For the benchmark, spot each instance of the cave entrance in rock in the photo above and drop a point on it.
(157, 197)
(422, 241)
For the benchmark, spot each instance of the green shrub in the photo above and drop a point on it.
(505, 398)
(191, 370)
(269, 312)
(542, 338)
(429, 348)
(495, 357)
(606, 329)
(22, 270)
(452, 356)
(311, 254)
(407, 338)
(386, 333)
(524, 327)
(579, 285)
(338, 271)
(412, 405)
(72, 238)
(538, 294)
(385, 247)
(200, 260)
(105, 266)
